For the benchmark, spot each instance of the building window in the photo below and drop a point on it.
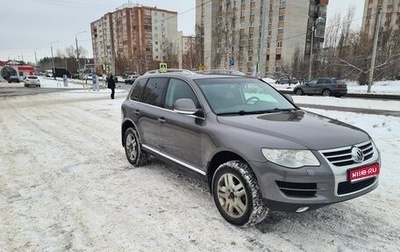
(282, 4)
(278, 57)
(280, 31)
(279, 44)
(281, 18)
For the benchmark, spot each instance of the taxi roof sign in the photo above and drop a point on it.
(163, 68)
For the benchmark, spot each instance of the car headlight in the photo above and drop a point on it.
(291, 158)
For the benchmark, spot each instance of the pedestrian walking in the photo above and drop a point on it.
(111, 85)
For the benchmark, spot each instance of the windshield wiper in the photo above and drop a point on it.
(242, 112)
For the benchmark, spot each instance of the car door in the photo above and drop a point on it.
(319, 86)
(180, 134)
(309, 87)
(147, 111)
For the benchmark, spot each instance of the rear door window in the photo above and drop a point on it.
(154, 90)
(137, 91)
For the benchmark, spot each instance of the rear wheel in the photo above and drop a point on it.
(237, 194)
(133, 148)
(326, 92)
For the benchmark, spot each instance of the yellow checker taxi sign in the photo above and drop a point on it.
(163, 68)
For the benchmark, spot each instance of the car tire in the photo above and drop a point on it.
(237, 194)
(326, 92)
(133, 148)
(299, 91)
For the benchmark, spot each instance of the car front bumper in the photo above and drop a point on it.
(290, 190)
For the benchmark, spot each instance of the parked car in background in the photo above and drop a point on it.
(256, 149)
(13, 78)
(131, 79)
(322, 86)
(31, 80)
(284, 80)
(119, 79)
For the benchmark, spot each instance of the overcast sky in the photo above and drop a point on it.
(29, 26)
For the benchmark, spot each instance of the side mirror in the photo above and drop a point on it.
(185, 106)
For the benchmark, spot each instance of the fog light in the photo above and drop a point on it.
(302, 209)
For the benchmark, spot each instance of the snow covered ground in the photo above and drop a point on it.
(65, 185)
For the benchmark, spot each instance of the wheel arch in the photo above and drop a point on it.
(218, 159)
(126, 125)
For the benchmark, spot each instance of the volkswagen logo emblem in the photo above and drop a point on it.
(357, 155)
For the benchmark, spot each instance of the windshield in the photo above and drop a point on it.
(240, 96)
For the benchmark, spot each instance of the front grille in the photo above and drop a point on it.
(342, 156)
(303, 190)
(347, 187)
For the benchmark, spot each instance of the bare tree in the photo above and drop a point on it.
(140, 63)
(170, 53)
(225, 36)
(348, 52)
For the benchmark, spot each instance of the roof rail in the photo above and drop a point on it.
(221, 71)
(169, 70)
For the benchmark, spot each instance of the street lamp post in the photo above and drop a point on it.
(312, 46)
(77, 51)
(52, 59)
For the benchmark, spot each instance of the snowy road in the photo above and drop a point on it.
(65, 185)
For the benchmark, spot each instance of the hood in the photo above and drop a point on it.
(300, 127)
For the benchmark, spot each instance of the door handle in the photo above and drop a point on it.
(161, 120)
(137, 112)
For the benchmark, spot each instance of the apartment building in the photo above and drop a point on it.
(133, 38)
(390, 16)
(190, 58)
(259, 37)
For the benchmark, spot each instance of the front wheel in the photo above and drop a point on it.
(237, 194)
(299, 91)
(133, 148)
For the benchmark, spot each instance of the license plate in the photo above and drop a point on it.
(363, 172)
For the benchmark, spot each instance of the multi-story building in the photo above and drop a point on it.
(134, 38)
(189, 53)
(259, 37)
(390, 15)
